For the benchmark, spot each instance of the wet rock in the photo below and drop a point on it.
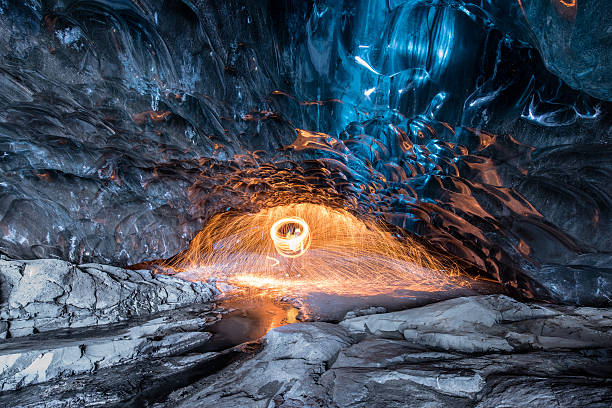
(480, 351)
(284, 373)
(558, 356)
(46, 294)
(59, 353)
(395, 373)
(493, 323)
(109, 385)
(546, 392)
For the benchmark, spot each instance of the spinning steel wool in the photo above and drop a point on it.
(312, 247)
(291, 237)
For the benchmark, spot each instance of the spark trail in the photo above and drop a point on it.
(312, 247)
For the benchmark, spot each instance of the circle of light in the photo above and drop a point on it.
(294, 246)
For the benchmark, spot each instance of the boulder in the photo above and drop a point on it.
(286, 371)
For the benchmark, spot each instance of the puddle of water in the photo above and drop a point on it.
(255, 311)
(252, 314)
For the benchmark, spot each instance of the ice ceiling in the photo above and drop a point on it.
(480, 127)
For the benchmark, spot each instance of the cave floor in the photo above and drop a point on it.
(164, 342)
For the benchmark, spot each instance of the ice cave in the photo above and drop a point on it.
(306, 203)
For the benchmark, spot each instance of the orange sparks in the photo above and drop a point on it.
(311, 247)
(291, 237)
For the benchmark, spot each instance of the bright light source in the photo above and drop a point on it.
(291, 237)
(312, 247)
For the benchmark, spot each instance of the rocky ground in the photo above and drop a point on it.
(484, 351)
(47, 294)
(129, 338)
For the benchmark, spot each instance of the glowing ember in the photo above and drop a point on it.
(311, 247)
(291, 237)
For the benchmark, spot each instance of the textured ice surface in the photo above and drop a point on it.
(124, 125)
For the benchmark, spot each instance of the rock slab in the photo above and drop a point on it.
(484, 351)
(47, 294)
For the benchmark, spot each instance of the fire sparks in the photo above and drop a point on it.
(291, 237)
(311, 247)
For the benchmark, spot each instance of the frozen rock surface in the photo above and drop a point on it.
(121, 138)
(46, 356)
(573, 38)
(496, 323)
(42, 295)
(485, 351)
(481, 351)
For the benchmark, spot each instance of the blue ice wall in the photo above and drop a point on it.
(481, 127)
